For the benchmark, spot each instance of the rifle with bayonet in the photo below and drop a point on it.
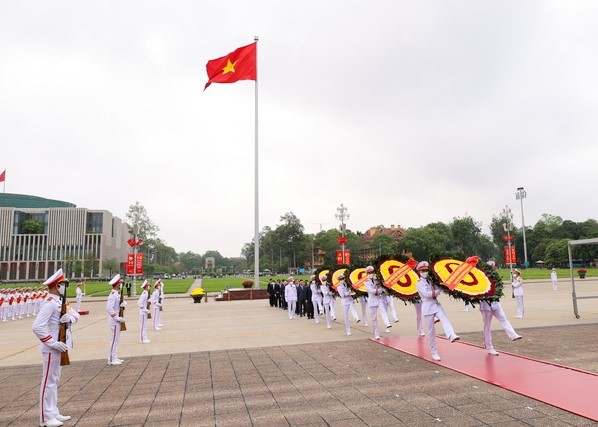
(121, 312)
(64, 356)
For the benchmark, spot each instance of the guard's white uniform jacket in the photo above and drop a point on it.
(47, 323)
(113, 307)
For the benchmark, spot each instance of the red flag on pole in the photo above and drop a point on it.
(3, 176)
(237, 65)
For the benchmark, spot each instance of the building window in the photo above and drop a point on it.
(95, 223)
(30, 223)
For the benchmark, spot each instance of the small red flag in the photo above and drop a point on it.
(237, 65)
(3, 176)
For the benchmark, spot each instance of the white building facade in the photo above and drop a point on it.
(38, 236)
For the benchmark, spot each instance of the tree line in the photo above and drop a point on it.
(286, 246)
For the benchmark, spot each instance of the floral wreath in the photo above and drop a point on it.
(322, 272)
(471, 281)
(403, 287)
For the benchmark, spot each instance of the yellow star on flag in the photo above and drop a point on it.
(230, 67)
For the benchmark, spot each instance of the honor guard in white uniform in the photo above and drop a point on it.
(375, 295)
(431, 308)
(494, 309)
(363, 301)
(142, 303)
(554, 279)
(290, 295)
(20, 303)
(2, 306)
(78, 296)
(327, 301)
(316, 298)
(113, 306)
(518, 292)
(156, 300)
(46, 328)
(347, 302)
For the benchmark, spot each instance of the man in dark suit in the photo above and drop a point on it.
(300, 299)
(277, 302)
(271, 292)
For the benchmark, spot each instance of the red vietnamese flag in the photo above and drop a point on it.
(237, 65)
(3, 176)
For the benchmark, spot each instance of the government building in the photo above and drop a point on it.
(38, 236)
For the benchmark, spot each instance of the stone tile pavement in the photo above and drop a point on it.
(338, 381)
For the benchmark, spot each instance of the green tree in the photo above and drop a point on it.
(137, 215)
(423, 241)
(31, 226)
(557, 252)
(110, 265)
(384, 244)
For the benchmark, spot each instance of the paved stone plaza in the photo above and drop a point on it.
(243, 363)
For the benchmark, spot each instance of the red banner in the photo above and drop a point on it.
(139, 264)
(510, 258)
(130, 263)
(132, 266)
(339, 257)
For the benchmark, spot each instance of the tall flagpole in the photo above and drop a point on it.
(256, 238)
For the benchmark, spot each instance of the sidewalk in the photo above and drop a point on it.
(245, 363)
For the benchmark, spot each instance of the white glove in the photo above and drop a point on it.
(119, 319)
(59, 346)
(123, 304)
(146, 311)
(158, 304)
(65, 318)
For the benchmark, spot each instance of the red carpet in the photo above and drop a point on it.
(560, 386)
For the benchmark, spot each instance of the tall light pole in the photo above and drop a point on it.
(520, 195)
(508, 227)
(342, 215)
(135, 231)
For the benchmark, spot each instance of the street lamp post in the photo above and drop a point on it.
(341, 215)
(135, 231)
(508, 227)
(520, 195)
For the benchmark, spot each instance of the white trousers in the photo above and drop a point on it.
(446, 325)
(318, 308)
(346, 309)
(114, 339)
(156, 317)
(519, 302)
(418, 318)
(143, 327)
(504, 322)
(291, 309)
(329, 312)
(374, 316)
(48, 392)
(364, 303)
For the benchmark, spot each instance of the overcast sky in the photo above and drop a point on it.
(406, 112)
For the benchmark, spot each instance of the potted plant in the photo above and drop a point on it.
(582, 273)
(197, 294)
(247, 284)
